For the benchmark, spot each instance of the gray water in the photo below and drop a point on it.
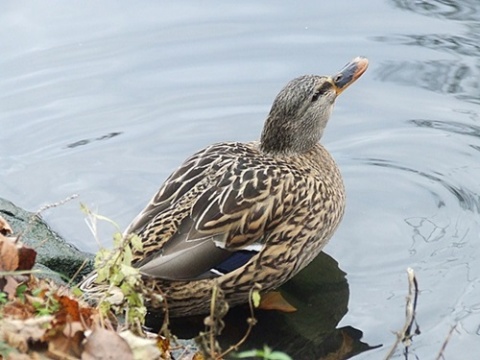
(105, 99)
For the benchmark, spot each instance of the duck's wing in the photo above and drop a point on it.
(237, 199)
(181, 181)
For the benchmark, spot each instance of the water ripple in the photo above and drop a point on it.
(467, 199)
(456, 44)
(455, 127)
(448, 9)
(441, 76)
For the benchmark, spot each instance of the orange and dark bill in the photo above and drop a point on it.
(351, 72)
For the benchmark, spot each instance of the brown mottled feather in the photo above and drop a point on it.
(293, 198)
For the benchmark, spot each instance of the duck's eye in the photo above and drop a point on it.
(321, 90)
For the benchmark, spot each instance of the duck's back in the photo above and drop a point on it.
(236, 194)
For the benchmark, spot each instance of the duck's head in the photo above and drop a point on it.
(301, 110)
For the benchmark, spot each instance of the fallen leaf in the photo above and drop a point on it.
(72, 328)
(106, 345)
(142, 348)
(69, 308)
(71, 311)
(115, 296)
(8, 254)
(273, 300)
(9, 287)
(67, 343)
(26, 258)
(20, 334)
(18, 310)
(163, 344)
(15, 340)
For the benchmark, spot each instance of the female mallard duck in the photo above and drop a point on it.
(241, 214)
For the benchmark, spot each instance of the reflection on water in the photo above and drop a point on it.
(88, 141)
(449, 9)
(440, 76)
(320, 293)
(426, 230)
(464, 45)
(450, 126)
(458, 77)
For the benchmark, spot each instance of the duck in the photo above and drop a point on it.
(239, 215)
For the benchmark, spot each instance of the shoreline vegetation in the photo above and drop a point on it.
(41, 318)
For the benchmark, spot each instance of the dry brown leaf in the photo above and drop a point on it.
(64, 346)
(9, 287)
(163, 344)
(15, 340)
(71, 310)
(19, 334)
(26, 258)
(5, 228)
(198, 356)
(106, 345)
(32, 328)
(274, 300)
(18, 310)
(8, 254)
(72, 328)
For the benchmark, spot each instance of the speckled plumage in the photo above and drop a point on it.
(292, 204)
(282, 198)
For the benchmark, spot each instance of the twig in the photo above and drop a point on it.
(56, 204)
(445, 343)
(251, 321)
(405, 335)
(80, 268)
(213, 328)
(42, 209)
(214, 323)
(20, 272)
(164, 330)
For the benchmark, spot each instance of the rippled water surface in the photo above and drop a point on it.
(105, 99)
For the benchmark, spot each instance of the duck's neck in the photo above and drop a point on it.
(280, 136)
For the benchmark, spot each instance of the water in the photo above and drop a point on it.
(106, 99)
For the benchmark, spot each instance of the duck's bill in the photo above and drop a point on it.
(351, 72)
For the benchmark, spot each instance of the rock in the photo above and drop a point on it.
(54, 255)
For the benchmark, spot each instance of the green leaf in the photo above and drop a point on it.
(278, 355)
(3, 297)
(136, 242)
(117, 278)
(127, 255)
(249, 354)
(256, 297)
(102, 254)
(104, 307)
(265, 354)
(117, 239)
(20, 291)
(129, 270)
(76, 291)
(102, 275)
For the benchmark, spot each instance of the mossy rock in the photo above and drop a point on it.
(53, 252)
